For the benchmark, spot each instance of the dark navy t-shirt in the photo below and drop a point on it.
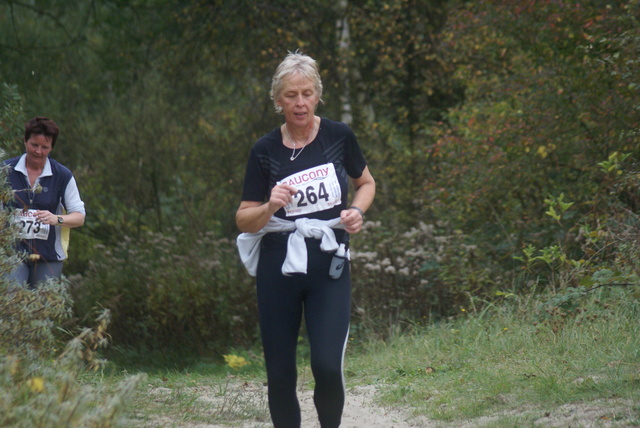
(269, 162)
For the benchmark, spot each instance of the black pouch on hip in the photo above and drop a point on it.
(338, 261)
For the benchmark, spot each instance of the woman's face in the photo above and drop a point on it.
(298, 100)
(38, 148)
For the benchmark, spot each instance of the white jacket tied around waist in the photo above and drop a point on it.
(296, 259)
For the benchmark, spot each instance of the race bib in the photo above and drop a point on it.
(28, 226)
(318, 190)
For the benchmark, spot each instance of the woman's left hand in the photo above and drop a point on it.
(352, 220)
(46, 217)
(365, 187)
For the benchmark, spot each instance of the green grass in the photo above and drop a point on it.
(502, 359)
(176, 398)
(508, 365)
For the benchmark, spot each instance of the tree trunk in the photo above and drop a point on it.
(342, 36)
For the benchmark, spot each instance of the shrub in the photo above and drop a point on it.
(38, 392)
(35, 392)
(172, 291)
(30, 316)
(425, 271)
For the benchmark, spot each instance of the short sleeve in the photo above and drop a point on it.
(72, 201)
(256, 182)
(355, 161)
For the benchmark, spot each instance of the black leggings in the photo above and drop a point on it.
(326, 304)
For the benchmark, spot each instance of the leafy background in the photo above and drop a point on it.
(504, 138)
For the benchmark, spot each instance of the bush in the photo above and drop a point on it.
(172, 291)
(426, 271)
(35, 392)
(31, 316)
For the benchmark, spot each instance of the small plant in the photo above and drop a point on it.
(557, 207)
(51, 395)
(235, 361)
(613, 164)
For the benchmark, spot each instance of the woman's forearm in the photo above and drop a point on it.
(72, 219)
(251, 217)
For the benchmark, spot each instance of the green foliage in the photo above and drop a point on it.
(613, 165)
(401, 86)
(497, 362)
(511, 142)
(41, 385)
(513, 127)
(10, 114)
(172, 291)
(35, 392)
(30, 316)
(557, 207)
(8, 256)
(427, 271)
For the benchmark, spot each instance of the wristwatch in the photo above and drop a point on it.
(357, 209)
(60, 220)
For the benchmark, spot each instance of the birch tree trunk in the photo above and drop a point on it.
(342, 36)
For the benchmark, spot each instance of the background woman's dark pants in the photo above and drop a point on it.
(32, 273)
(326, 305)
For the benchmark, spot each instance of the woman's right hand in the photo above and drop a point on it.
(253, 215)
(281, 196)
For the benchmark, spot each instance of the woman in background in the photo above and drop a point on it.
(46, 200)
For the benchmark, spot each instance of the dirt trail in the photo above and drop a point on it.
(359, 412)
(362, 412)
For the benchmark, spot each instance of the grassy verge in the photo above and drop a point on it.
(519, 360)
(205, 394)
(507, 365)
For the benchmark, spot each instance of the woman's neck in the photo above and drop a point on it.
(302, 135)
(33, 166)
(34, 170)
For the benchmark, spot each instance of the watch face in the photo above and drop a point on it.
(60, 220)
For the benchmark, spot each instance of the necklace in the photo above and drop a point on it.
(294, 156)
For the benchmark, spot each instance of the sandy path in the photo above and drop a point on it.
(359, 411)
(362, 412)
